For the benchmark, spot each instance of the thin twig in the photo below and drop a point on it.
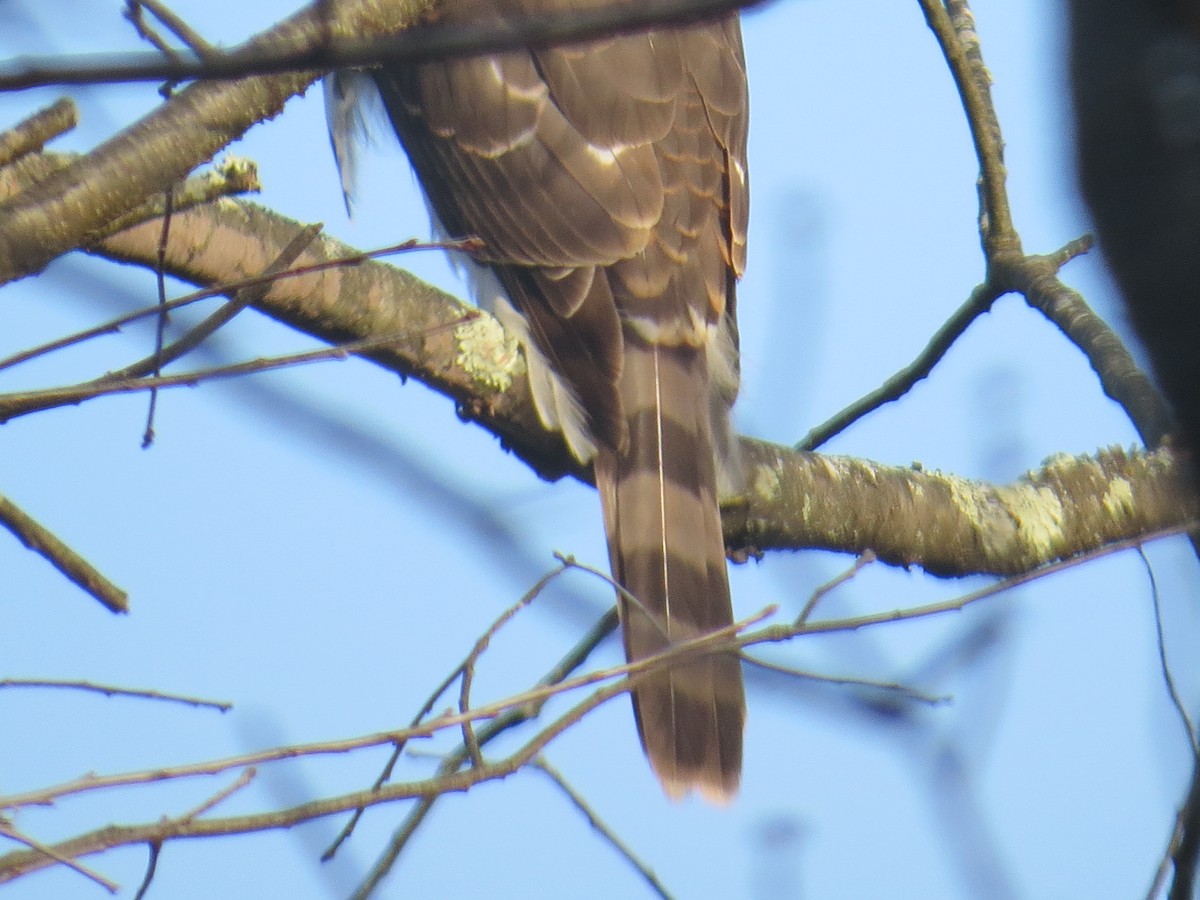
(655, 620)
(448, 778)
(244, 297)
(905, 379)
(1185, 849)
(574, 658)
(26, 402)
(160, 322)
(189, 36)
(1168, 679)
(1182, 848)
(964, 600)
(386, 774)
(470, 741)
(515, 716)
(1008, 267)
(909, 693)
(113, 326)
(954, 27)
(112, 691)
(151, 868)
(719, 641)
(14, 865)
(448, 769)
(864, 559)
(222, 795)
(133, 13)
(529, 701)
(542, 765)
(42, 541)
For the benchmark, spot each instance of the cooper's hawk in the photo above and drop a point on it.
(607, 182)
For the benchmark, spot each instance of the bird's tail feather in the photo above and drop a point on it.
(666, 547)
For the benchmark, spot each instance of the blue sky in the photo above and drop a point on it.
(287, 544)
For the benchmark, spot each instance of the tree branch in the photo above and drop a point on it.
(75, 203)
(43, 542)
(948, 525)
(39, 129)
(449, 778)
(430, 40)
(1009, 268)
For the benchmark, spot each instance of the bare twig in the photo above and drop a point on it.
(625, 595)
(508, 719)
(386, 774)
(713, 643)
(1182, 848)
(603, 828)
(26, 402)
(241, 299)
(190, 37)
(160, 321)
(1186, 847)
(42, 541)
(133, 13)
(1120, 377)
(109, 690)
(864, 559)
(954, 27)
(222, 795)
(1168, 679)
(721, 640)
(904, 690)
(470, 741)
(1015, 275)
(1008, 267)
(990, 590)
(903, 381)
(151, 867)
(113, 326)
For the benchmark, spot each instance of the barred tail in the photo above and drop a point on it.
(665, 545)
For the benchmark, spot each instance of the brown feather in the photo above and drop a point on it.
(666, 548)
(607, 182)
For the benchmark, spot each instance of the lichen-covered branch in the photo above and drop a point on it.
(950, 525)
(946, 524)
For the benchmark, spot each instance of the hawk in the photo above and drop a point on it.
(607, 181)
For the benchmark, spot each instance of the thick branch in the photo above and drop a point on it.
(454, 349)
(948, 525)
